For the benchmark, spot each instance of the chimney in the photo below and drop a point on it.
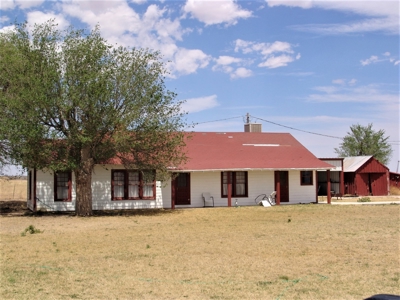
(252, 127)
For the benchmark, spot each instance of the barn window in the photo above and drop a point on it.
(62, 186)
(133, 185)
(306, 177)
(238, 181)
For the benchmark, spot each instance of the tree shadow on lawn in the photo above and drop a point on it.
(18, 208)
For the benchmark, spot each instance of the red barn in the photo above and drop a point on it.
(365, 176)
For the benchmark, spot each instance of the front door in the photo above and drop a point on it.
(283, 177)
(182, 189)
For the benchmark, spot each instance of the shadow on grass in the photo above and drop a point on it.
(18, 208)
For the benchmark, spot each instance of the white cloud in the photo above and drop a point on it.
(216, 11)
(38, 17)
(265, 49)
(199, 104)
(352, 81)
(277, 61)
(22, 4)
(7, 28)
(326, 89)
(372, 59)
(268, 51)
(4, 19)
(153, 30)
(227, 60)
(381, 16)
(138, 1)
(338, 81)
(361, 94)
(188, 61)
(344, 82)
(386, 57)
(397, 62)
(241, 73)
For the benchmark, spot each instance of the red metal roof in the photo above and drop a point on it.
(248, 150)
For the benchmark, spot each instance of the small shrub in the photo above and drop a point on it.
(284, 277)
(30, 229)
(364, 199)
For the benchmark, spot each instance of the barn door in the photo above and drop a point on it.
(283, 177)
(182, 189)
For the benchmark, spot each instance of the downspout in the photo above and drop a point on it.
(342, 181)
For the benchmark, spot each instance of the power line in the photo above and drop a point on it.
(331, 136)
(217, 120)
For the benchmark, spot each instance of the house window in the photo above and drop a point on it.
(306, 177)
(238, 181)
(132, 185)
(62, 186)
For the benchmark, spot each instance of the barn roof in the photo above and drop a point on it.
(353, 163)
(248, 150)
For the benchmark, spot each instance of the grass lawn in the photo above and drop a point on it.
(286, 252)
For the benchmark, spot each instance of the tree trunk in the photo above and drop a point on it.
(83, 178)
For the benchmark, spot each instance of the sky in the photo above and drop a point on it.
(310, 68)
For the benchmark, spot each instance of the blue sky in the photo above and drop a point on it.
(314, 66)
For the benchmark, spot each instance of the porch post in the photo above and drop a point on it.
(278, 188)
(229, 190)
(316, 186)
(173, 192)
(342, 181)
(328, 186)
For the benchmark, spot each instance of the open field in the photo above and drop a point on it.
(13, 189)
(287, 252)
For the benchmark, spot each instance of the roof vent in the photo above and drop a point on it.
(252, 127)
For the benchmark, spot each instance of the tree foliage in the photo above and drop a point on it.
(69, 101)
(363, 140)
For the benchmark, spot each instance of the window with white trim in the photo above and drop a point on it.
(306, 177)
(132, 185)
(62, 186)
(238, 181)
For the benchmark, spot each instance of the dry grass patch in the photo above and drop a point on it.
(287, 252)
(394, 191)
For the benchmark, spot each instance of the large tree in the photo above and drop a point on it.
(69, 100)
(363, 140)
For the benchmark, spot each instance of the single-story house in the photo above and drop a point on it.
(233, 167)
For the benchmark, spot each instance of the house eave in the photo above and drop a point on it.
(249, 169)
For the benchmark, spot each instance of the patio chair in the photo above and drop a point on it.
(208, 198)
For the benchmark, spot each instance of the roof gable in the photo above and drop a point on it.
(353, 163)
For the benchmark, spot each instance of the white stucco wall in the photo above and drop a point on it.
(101, 188)
(259, 182)
(300, 193)
(45, 193)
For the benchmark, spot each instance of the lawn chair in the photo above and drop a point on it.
(208, 198)
(266, 200)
